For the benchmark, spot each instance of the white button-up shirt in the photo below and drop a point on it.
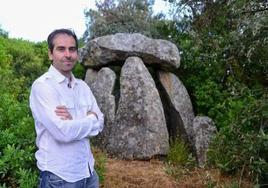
(63, 145)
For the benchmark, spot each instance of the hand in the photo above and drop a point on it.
(88, 113)
(62, 111)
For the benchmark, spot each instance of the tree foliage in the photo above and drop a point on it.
(3, 33)
(224, 66)
(114, 16)
(19, 65)
(237, 28)
(250, 41)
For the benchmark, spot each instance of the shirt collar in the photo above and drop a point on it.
(59, 77)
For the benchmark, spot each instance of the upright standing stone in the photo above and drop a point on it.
(139, 131)
(91, 76)
(204, 129)
(102, 88)
(181, 101)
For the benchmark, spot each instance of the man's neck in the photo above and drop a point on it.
(68, 74)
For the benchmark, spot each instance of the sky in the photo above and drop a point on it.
(33, 20)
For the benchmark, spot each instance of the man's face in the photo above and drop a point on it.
(64, 55)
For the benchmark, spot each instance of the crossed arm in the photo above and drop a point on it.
(64, 114)
(47, 112)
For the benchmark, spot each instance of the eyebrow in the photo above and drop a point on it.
(63, 47)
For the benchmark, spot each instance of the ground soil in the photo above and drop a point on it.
(154, 174)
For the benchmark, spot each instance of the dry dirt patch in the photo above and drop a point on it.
(152, 174)
(137, 174)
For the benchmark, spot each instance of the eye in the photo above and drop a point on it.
(61, 49)
(72, 49)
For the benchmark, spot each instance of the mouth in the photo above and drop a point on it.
(68, 62)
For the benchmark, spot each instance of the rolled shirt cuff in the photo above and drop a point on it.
(95, 125)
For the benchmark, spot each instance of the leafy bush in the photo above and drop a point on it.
(17, 134)
(179, 153)
(243, 141)
(16, 138)
(79, 71)
(224, 68)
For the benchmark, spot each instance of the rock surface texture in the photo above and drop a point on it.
(181, 102)
(140, 129)
(144, 103)
(204, 129)
(116, 48)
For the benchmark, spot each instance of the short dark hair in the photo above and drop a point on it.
(52, 36)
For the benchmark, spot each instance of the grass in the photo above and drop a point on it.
(100, 162)
(155, 173)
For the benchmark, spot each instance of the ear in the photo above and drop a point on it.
(50, 55)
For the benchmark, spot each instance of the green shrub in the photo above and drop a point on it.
(179, 153)
(242, 145)
(179, 159)
(79, 71)
(18, 67)
(27, 178)
(100, 162)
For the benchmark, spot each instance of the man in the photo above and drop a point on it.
(66, 115)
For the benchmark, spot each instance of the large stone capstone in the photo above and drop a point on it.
(139, 130)
(116, 48)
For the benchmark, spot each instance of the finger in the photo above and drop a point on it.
(62, 114)
(61, 111)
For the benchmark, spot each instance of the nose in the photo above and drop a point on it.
(67, 53)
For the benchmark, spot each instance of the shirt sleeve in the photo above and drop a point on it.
(43, 102)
